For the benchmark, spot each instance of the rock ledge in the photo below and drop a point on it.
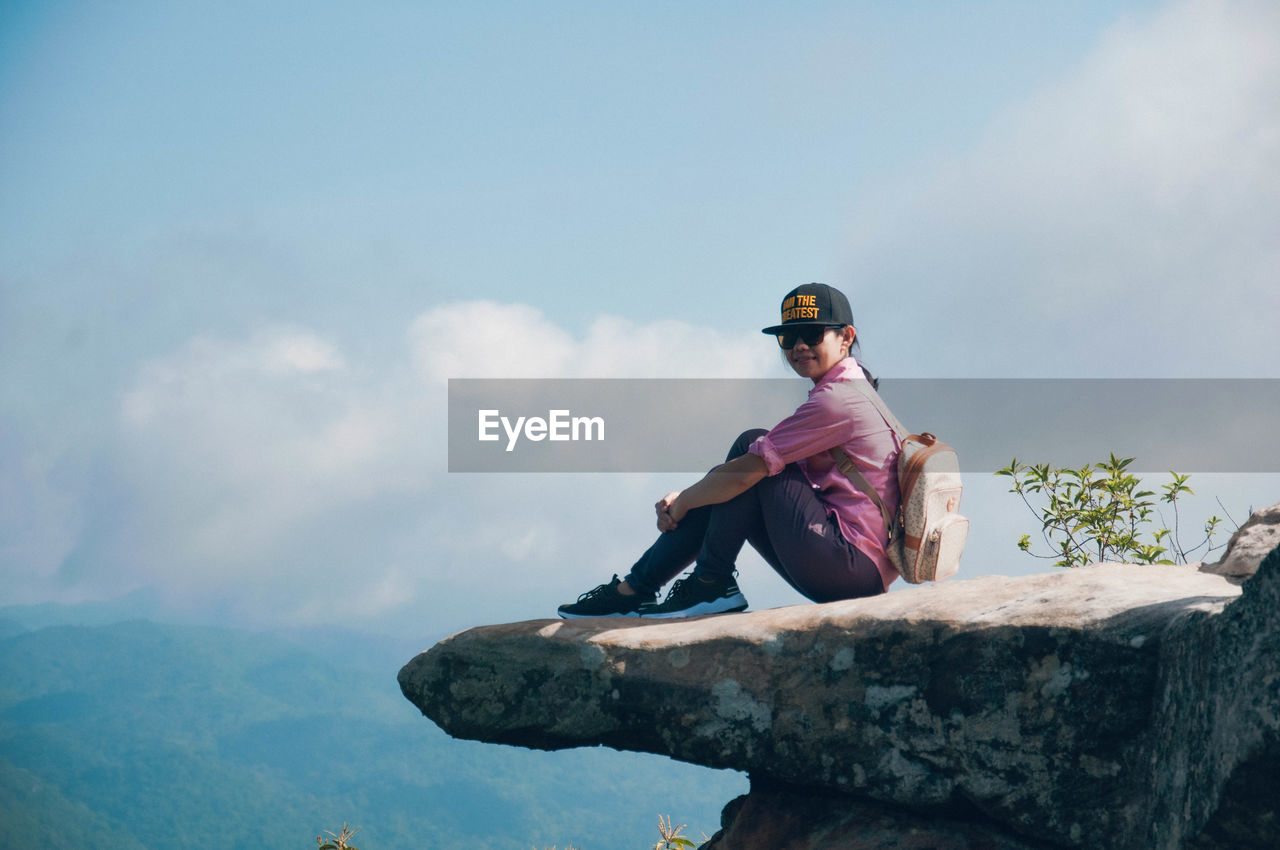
(1108, 706)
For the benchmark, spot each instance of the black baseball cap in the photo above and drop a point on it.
(813, 304)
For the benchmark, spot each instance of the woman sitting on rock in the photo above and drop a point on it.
(779, 490)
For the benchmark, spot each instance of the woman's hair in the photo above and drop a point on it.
(874, 381)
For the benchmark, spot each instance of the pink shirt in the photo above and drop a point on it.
(836, 414)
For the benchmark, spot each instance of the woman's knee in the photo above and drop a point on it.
(744, 441)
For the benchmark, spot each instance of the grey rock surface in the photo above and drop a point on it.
(1108, 706)
(786, 817)
(1248, 545)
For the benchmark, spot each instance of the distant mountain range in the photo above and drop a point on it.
(144, 735)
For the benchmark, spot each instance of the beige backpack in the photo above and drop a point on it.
(926, 538)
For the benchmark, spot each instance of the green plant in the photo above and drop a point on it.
(1097, 513)
(337, 841)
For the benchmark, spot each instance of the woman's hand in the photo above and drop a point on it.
(719, 485)
(669, 512)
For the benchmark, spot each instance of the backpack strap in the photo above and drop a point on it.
(869, 391)
(845, 464)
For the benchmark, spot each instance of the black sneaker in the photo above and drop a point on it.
(605, 601)
(691, 596)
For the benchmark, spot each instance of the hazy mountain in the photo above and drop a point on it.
(139, 734)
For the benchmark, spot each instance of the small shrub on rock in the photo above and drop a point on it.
(1097, 513)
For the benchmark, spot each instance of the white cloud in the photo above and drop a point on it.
(39, 519)
(279, 480)
(238, 450)
(1120, 222)
(484, 339)
(301, 353)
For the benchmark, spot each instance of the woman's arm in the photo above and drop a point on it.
(719, 485)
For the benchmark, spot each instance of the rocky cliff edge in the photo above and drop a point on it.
(1107, 706)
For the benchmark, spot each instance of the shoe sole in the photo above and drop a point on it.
(565, 616)
(727, 605)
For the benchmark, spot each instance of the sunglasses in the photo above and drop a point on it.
(811, 334)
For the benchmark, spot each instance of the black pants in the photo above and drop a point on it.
(783, 519)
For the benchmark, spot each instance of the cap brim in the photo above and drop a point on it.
(777, 329)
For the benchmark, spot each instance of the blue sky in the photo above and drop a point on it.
(243, 245)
